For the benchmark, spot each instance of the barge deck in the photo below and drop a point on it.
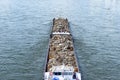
(61, 61)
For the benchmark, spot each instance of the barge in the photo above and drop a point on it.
(61, 60)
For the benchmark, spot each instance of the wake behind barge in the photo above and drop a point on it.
(61, 61)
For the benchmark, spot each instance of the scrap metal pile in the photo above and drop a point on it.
(61, 50)
(60, 25)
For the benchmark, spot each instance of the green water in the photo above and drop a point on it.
(25, 28)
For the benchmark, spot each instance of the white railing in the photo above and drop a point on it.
(61, 33)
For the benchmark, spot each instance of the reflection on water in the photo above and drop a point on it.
(24, 34)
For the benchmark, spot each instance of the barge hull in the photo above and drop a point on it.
(61, 61)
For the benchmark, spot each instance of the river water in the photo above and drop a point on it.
(25, 28)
